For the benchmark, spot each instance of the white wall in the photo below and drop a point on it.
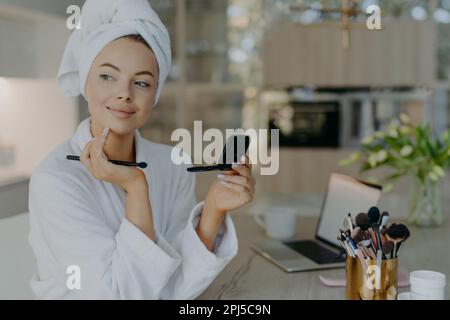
(30, 45)
(34, 117)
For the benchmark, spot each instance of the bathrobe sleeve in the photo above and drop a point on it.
(66, 230)
(199, 266)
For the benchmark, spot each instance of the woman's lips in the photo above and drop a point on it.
(121, 114)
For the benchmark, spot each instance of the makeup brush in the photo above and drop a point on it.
(397, 233)
(369, 253)
(388, 246)
(343, 247)
(351, 243)
(393, 234)
(350, 222)
(141, 165)
(390, 230)
(370, 249)
(360, 240)
(346, 224)
(348, 248)
(402, 230)
(363, 249)
(374, 215)
(372, 240)
(376, 231)
(357, 234)
(394, 241)
(384, 220)
(362, 221)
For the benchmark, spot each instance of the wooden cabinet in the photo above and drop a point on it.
(402, 54)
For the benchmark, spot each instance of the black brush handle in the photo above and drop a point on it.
(141, 165)
(398, 248)
(219, 167)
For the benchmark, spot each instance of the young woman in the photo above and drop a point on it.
(104, 231)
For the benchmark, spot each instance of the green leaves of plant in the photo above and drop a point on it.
(411, 150)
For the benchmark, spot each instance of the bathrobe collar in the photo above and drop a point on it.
(83, 136)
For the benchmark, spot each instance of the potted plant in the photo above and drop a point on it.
(409, 150)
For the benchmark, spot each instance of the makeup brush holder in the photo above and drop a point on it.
(364, 285)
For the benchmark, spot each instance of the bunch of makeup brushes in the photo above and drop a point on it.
(370, 237)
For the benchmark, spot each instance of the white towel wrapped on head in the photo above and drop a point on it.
(103, 21)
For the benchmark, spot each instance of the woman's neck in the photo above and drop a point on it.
(117, 147)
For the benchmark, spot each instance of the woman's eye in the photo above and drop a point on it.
(142, 84)
(106, 77)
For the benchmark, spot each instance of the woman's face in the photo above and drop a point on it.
(121, 86)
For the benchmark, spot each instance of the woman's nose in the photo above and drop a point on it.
(126, 98)
(124, 94)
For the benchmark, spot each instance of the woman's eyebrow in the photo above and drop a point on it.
(118, 70)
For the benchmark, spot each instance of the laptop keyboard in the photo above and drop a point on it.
(315, 252)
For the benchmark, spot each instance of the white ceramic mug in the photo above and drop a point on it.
(279, 223)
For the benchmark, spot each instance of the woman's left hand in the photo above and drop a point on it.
(232, 189)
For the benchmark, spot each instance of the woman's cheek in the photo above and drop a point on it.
(148, 97)
(96, 94)
(146, 101)
(144, 115)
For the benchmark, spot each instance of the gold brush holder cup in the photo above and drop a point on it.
(363, 284)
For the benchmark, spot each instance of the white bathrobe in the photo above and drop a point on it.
(77, 220)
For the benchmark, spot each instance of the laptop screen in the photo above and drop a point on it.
(344, 195)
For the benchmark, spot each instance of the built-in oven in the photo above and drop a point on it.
(307, 123)
(342, 118)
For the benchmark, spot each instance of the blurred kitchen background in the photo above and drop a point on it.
(307, 67)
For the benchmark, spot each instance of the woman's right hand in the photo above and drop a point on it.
(95, 160)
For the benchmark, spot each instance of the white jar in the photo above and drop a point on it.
(427, 285)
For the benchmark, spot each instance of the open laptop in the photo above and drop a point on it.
(344, 195)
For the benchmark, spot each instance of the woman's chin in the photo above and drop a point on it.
(122, 128)
(122, 131)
